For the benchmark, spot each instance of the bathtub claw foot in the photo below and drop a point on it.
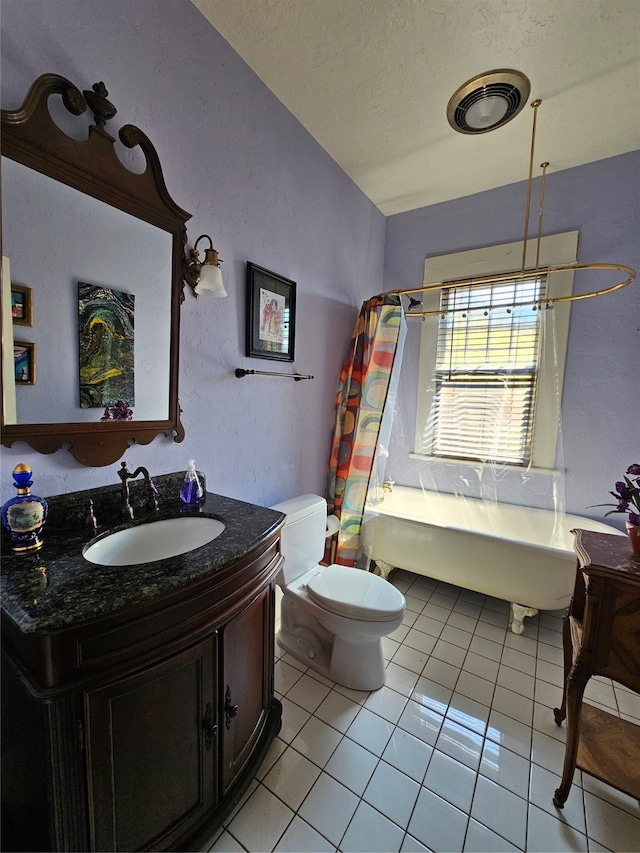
(516, 619)
(383, 569)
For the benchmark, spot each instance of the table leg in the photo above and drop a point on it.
(561, 712)
(574, 691)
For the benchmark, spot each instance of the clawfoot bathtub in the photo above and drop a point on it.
(519, 554)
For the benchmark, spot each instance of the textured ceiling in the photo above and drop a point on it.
(370, 80)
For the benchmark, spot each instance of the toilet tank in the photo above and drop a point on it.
(303, 534)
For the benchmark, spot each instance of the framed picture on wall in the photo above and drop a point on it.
(21, 305)
(271, 314)
(24, 362)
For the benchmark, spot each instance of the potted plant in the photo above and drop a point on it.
(627, 495)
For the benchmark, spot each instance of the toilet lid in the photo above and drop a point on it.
(356, 593)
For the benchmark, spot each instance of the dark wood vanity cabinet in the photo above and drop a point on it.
(150, 725)
(151, 753)
(246, 685)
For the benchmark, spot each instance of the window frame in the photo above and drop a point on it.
(493, 260)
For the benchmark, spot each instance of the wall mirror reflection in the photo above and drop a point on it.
(109, 248)
(100, 247)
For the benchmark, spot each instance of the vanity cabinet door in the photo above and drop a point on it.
(151, 752)
(246, 685)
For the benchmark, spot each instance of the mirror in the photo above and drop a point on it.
(98, 250)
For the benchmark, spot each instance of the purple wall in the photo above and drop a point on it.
(601, 404)
(252, 178)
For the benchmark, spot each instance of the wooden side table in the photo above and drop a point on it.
(601, 636)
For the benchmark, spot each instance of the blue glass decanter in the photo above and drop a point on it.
(24, 516)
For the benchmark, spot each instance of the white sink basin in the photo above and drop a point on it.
(156, 540)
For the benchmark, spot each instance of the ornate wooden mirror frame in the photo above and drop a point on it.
(32, 138)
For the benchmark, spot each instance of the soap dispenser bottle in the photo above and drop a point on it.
(191, 492)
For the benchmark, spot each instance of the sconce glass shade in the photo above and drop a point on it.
(211, 275)
(206, 275)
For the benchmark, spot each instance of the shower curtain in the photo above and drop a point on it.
(360, 401)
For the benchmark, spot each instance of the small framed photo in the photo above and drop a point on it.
(24, 362)
(271, 314)
(21, 305)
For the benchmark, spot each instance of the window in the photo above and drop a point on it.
(486, 371)
(491, 373)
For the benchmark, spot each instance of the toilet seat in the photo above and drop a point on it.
(356, 594)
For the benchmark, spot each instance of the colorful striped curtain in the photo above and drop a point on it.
(360, 401)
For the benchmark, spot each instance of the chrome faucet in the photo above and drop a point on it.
(152, 492)
(388, 485)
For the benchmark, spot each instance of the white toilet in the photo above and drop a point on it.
(333, 618)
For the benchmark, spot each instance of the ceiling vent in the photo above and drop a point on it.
(488, 101)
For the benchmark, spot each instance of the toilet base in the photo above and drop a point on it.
(355, 664)
(317, 659)
(358, 664)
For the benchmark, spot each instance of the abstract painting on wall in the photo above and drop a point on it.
(105, 324)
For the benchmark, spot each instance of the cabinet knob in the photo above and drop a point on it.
(210, 728)
(230, 710)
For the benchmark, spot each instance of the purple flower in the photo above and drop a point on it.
(623, 492)
(627, 495)
(623, 506)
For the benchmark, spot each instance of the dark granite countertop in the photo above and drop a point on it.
(56, 587)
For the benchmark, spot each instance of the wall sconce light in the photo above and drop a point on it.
(205, 275)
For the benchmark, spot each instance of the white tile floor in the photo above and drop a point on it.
(457, 752)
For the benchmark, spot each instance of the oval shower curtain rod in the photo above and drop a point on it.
(524, 273)
(519, 276)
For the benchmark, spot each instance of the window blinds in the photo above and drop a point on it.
(486, 369)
